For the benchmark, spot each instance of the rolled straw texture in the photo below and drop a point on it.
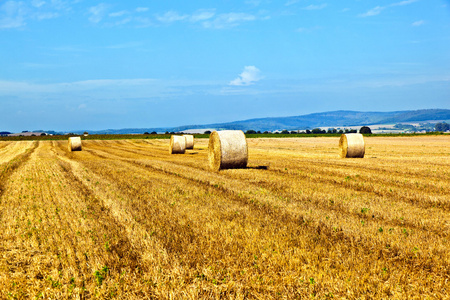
(177, 144)
(352, 145)
(74, 144)
(189, 141)
(227, 149)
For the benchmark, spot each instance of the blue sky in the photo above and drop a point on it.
(78, 64)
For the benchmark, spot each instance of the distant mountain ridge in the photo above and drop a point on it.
(341, 118)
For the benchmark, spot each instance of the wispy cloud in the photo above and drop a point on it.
(171, 16)
(291, 2)
(315, 7)
(12, 15)
(37, 3)
(202, 15)
(197, 16)
(28, 88)
(418, 23)
(249, 76)
(308, 29)
(378, 9)
(102, 14)
(118, 13)
(372, 12)
(228, 20)
(207, 18)
(17, 14)
(97, 12)
(401, 3)
(141, 9)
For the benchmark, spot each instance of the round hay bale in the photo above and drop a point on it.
(189, 141)
(177, 144)
(74, 144)
(352, 145)
(227, 149)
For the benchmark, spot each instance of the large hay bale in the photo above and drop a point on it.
(352, 145)
(177, 144)
(189, 141)
(74, 144)
(227, 149)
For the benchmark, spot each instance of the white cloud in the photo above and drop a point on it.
(291, 2)
(418, 23)
(208, 18)
(202, 15)
(29, 89)
(401, 3)
(16, 14)
(378, 9)
(12, 15)
(97, 12)
(45, 16)
(118, 13)
(306, 30)
(249, 76)
(171, 16)
(228, 20)
(141, 9)
(315, 7)
(372, 12)
(37, 3)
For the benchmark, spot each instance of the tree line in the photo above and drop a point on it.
(363, 130)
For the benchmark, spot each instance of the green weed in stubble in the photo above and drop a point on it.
(100, 275)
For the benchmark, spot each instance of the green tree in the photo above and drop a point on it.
(250, 131)
(442, 126)
(365, 130)
(318, 130)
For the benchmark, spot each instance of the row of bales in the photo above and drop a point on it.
(228, 149)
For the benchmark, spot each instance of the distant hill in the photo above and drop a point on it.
(339, 118)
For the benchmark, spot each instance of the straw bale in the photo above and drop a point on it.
(352, 145)
(74, 144)
(189, 141)
(227, 149)
(177, 144)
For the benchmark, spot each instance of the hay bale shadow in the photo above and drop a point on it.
(258, 167)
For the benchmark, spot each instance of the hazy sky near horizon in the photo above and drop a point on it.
(77, 64)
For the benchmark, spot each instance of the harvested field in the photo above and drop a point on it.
(124, 219)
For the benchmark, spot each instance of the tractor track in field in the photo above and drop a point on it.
(276, 214)
(125, 219)
(329, 177)
(279, 187)
(11, 166)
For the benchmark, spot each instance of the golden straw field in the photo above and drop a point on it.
(123, 219)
